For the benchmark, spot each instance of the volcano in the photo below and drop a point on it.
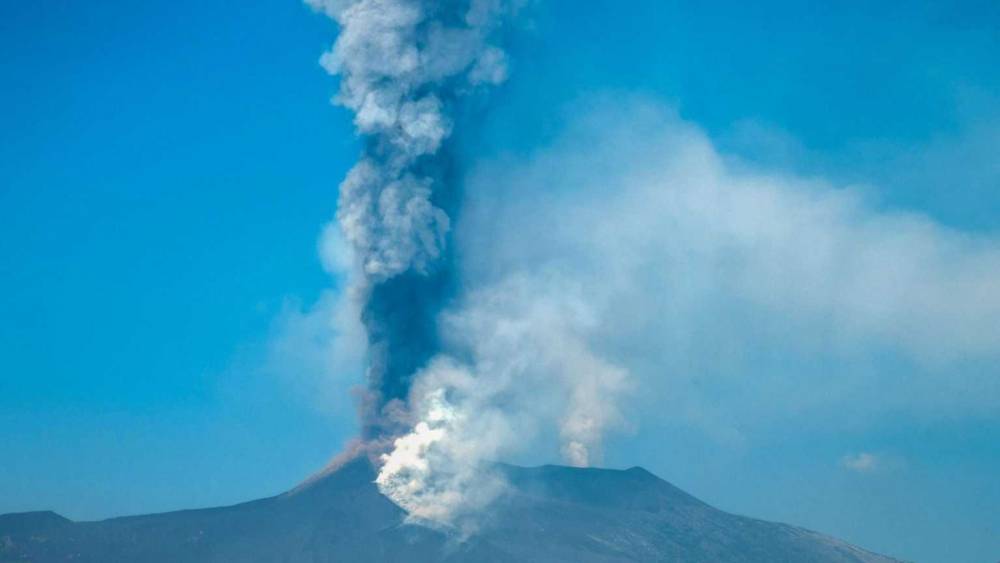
(549, 514)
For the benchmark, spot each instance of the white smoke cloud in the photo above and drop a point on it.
(530, 372)
(437, 472)
(739, 298)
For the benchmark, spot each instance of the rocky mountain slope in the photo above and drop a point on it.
(551, 514)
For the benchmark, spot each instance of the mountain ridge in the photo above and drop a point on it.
(549, 514)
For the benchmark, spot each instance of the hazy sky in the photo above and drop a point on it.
(166, 169)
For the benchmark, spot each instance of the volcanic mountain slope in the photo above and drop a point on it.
(551, 514)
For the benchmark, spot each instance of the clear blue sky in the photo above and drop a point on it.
(166, 169)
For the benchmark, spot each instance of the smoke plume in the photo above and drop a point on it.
(632, 252)
(527, 370)
(441, 394)
(404, 65)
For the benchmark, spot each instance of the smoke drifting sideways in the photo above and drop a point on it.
(445, 392)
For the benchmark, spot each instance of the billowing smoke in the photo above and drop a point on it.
(632, 252)
(403, 67)
(527, 372)
(454, 380)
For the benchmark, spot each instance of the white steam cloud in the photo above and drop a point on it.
(529, 369)
(737, 298)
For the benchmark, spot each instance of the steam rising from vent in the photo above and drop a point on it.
(527, 368)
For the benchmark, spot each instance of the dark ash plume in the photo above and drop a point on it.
(404, 65)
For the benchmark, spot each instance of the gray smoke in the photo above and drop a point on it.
(404, 66)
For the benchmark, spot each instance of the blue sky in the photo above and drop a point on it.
(167, 168)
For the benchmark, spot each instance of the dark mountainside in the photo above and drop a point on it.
(552, 514)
